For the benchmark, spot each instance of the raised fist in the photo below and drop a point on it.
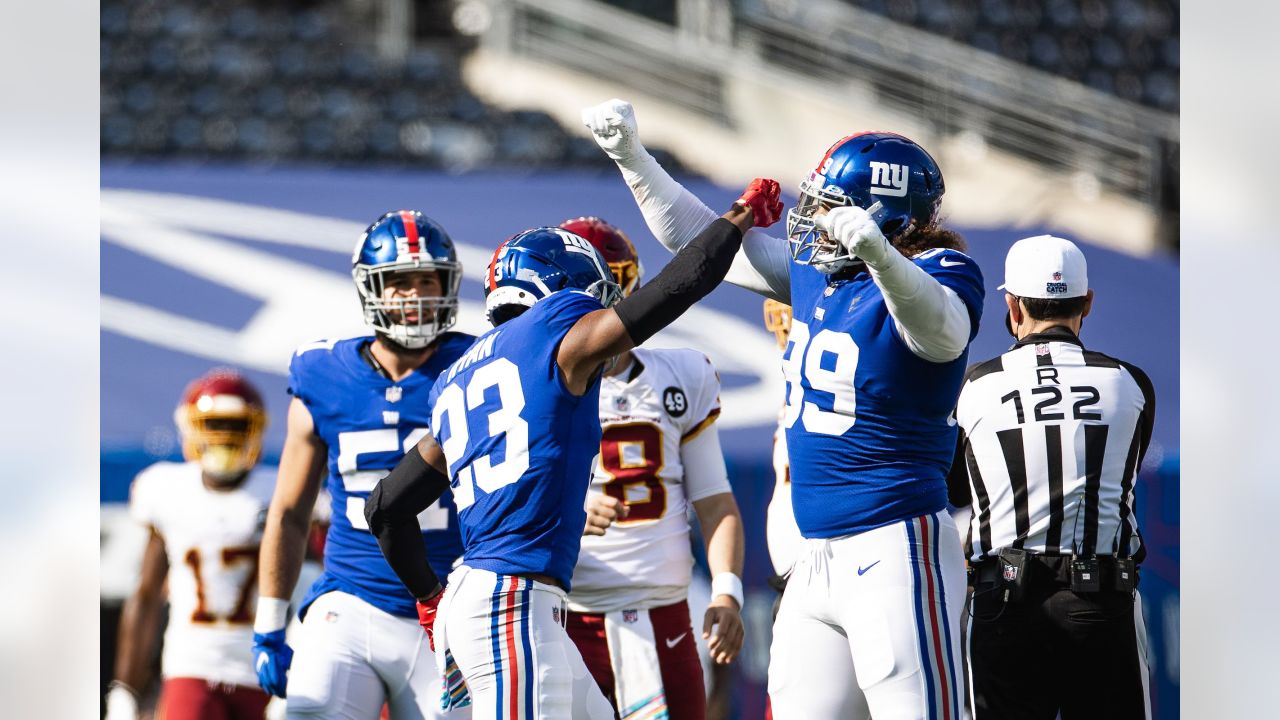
(762, 197)
(613, 125)
(855, 230)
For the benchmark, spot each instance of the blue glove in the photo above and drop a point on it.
(271, 660)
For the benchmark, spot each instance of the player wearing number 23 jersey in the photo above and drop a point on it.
(884, 305)
(514, 429)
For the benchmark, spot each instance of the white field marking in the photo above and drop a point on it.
(303, 303)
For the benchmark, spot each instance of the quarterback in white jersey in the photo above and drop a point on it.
(205, 517)
(659, 455)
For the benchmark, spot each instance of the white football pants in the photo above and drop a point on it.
(870, 626)
(507, 635)
(351, 657)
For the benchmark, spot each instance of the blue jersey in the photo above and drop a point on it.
(519, 444)
(866, 418)
(369, 423)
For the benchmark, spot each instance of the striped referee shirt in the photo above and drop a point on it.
(1051, 440)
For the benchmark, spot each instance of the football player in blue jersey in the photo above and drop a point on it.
(358, 405)
(885, 305)
(515, 427)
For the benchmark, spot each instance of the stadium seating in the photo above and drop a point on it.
(1128, 48)
(269, 82)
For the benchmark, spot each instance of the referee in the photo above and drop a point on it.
(1051, 439)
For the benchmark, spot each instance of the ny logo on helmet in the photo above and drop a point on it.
(888, 179)
(574, 243)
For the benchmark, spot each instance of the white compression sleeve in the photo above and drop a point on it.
(704, 469)
(930, 317)
(676, 216)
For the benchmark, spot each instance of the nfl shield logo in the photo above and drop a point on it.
(1011, 572)
(630, 616)
(1042, 348)
(555, 614)
(1057, 276)
(393, 393)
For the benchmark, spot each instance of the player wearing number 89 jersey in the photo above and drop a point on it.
(659, 455)
(358, 405)
(885, 305)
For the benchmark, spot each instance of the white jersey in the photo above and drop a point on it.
(211, 538)
(781, 532)
(659, 452)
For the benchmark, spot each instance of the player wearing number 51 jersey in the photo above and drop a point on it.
(659, 456)
(515, 426)
(205, 518)
(358, 405)
(884, 307)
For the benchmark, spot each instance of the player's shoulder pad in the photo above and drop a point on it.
(690, 366)
(946, 259)
(309, 357)
(153, 482)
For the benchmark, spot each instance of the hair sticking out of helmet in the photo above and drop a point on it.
(221, 420)
(396, 245)
(614, 245)
(537, 263)
(861, 170)
(777, 320)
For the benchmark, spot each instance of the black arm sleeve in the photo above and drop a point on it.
(693, 273)
(392, 513)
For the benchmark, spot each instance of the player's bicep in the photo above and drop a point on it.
(763, 265)
(301, 465)
(431, 451)
(155, 565)
(705, 473)
(594, 338)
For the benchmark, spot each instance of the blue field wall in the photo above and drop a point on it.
(200, 268)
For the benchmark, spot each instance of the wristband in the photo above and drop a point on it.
(726, 583)
(122, 701)
(272, 615)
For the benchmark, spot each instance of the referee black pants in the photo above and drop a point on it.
(1055, 651)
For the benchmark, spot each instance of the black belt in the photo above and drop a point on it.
(1086, 573)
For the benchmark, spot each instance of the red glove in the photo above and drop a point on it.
(427, 617)
(762, 196)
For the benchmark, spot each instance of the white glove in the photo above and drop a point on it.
(856, 231)
(613, 125)
(121, 703)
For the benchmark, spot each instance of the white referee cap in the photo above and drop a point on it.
(1045, 266)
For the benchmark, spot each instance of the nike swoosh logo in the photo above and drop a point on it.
(262, 660)
(862, 570)
(672, 643)
(943, 262)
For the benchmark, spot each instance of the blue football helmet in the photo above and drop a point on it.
(406, 241)
(862, 170)
(532, 265)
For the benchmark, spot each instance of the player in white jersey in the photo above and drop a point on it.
(659, 454)
(205, 520)
(781, 533)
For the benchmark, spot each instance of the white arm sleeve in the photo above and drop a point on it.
(930, 317)
(675, 217)
(704, 470)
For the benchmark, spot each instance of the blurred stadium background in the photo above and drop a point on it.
(245, 144)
